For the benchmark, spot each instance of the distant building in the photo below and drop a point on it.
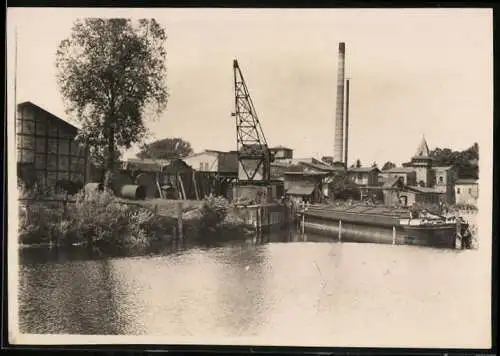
(408, 175)
(395, 192)
(444, 180)
(421, 162)
(328, 160)
(421, 171)
(214, 161)
(363, 176)
(307, 186)
(467, 191)
(47, 151)
(281, 152)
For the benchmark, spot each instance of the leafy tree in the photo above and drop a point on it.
(374, 165)
(167, 148)
(358, 163)
(466, 161)
(388, 165)
(110, 72)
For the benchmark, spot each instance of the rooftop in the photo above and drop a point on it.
(424, 189)
(423, 149)
(52, 116)
(467, 181)
(399, 170)
(306, 173)
(363, 169)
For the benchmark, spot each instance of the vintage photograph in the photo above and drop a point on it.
(265, 177)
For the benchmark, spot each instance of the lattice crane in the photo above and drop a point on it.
(254, 156)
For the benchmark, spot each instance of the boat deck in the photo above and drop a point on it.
(376, 215)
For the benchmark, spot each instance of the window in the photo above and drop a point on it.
(458, 190)
(52, 162)
(360, 176)
(53, 145)
(470, 190)
(201, 166)
(26, 156)
(40, 144)
(40, 161)
(441, 179)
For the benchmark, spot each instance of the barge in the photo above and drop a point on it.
(377, 224)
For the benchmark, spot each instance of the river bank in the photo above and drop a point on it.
(102, 220)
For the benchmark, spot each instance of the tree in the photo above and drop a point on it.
(388, 165)
(110, 72)
(374, 165)
(167, 148)
(466, 161)
(358, 163)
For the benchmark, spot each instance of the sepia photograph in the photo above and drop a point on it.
(253, 177)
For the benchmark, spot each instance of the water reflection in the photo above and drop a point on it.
(282, 287)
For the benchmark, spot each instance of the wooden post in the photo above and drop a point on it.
(158, 185)
(259, 219)
(179, 219)
(195, 186)
(340, 230)
(179, 178)
(394, 235)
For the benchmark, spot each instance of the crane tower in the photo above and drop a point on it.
(254, 157)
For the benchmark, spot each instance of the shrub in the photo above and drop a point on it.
(214, 210)
(94, 218)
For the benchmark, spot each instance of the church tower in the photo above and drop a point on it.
(422, 163)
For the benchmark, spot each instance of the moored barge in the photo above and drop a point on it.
(378, 224)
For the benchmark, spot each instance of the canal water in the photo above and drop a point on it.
(280, 289)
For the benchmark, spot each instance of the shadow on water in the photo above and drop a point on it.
(42, 255)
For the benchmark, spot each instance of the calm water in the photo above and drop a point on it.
(283, 289)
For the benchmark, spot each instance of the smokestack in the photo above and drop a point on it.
(339, 114)
(346, 120)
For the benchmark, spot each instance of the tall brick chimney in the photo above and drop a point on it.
(338, 147)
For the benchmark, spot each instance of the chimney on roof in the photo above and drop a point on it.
(338, 151)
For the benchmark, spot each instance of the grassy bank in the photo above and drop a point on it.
(101, 219)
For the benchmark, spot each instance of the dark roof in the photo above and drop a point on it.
(52, 116)
(467, 181)
(425, 190)
(363, 169)
(144, 165)
(301, 190)
(322, 166)
(392, 182)
(306, 173)
(399, 170)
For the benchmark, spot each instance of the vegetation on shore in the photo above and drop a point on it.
(101, 219)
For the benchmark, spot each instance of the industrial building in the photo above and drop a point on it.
(47, 151)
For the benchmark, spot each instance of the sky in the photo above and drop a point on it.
(413, 73)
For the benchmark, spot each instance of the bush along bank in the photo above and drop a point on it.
(101, 219)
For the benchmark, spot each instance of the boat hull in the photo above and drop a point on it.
(386, 230)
